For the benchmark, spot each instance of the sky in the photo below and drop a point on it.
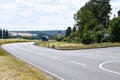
(42, 14)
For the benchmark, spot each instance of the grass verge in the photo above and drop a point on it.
(12, 69)
(73, 46)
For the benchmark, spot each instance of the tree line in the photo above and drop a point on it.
(4, 34)
(93, 24)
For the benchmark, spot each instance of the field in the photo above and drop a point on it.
(12, 69)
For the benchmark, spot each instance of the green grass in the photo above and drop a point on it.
(12, 69)
(69, 46)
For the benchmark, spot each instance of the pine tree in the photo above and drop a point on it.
(68, 32)
(7, 34)
(0, 33)
(4, 33)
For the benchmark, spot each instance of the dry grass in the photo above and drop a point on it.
(69, 46)
(3, 41)
(12, 69)
(56, 44)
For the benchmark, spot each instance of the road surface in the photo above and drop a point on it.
(89, 64)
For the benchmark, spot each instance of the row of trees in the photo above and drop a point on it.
(93, 24)
(4, 34)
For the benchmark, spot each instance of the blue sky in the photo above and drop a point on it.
(42, 14)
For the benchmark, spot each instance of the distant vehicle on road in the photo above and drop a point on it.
(45, 38)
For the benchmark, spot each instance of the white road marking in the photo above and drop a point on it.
(53, 57)
(82, 64)
(36, 66)
(101, 67)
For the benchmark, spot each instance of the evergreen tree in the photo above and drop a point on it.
(7, 34)
(0, 33)
(68, 32)
(4, 33)
(74, 29)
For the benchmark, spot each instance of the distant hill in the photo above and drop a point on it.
(47, 32)
(51, 32)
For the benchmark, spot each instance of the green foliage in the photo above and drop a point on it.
(83, 18)
(0, 33)
(4, 34)
(105, 39)
(68, 39)
(87, 38)
(98, 37)
(115, 29)
(76, 40)
(74, 29)
(7, 34)
(68, 32)
(91, 20)
(100, 9)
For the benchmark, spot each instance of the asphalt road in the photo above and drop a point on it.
(90, 64)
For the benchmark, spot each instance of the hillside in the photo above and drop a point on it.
(47, 32)
(38, 34)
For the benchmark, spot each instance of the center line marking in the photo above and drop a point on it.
(54, 57)
(79, 63)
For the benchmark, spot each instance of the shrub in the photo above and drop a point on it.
(77, 40)
(115, 29)
(98, 37)
(87, 38)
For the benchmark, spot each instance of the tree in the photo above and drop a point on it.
(7, 34)
(85, 21)
(59, 36)
(87, 38)
(74, 29)
(4, 34)
(93, 17)
(68, 32)
(101, 10)
(0, 33)
(115, 29)
(55, 37)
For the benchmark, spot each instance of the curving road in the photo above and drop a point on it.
(90, 64)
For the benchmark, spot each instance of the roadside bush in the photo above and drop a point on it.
(65, 39)
(68, 39)
(77, 40)
(98, 37)
(87, 38)
(115, 29)
(105, 40)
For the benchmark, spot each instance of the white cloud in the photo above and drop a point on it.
(42, 14)
(7, 12)
(26, 13)
(115, 7)
(63, 1)
(79, 3)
